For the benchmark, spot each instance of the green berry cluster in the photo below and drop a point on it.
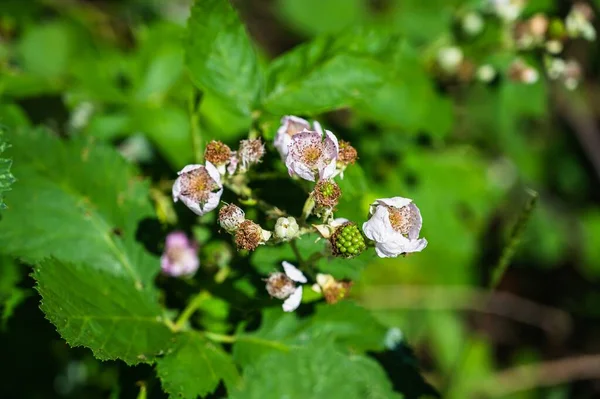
(327, 190)
(348, 241)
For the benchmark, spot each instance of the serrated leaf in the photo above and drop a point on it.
(77, 202)
(313, 78)
(93, 308)
(220, 56)
(345, 323)
(317, 371)
(80, 204)
(6, 178)
(195, 368)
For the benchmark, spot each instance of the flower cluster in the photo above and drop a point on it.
(525, 37)
(316, 156)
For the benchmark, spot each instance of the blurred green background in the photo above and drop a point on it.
(465, 151)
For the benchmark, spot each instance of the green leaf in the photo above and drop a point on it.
(220, 56)
(316, 371)
(345, 323)
(195, 367)
(80, 204)
(6, 178)
(93, 308)
(45, 49)
(313, 17)
(313, 78)
(10, 294)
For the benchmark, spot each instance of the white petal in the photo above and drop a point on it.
(334, 139)
(329, 171)
(189, 168)
(318, 128)
(193, 205)
(282, 142)
(213, 201)
(213, 173)
(415, 229)
(397, 202)
(293, 272)
(176, 189)
(293, 301)
(416, 245)
(379, 228)
(337, 222)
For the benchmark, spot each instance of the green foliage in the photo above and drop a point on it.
(220, 57)
(315, 371)
(6, 178)
(195, 367)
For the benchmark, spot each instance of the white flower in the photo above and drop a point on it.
(283, 286)
(578, 22)
(198, 187)
(290, 126)
(312, 153)
(394, 225)
(286, 228)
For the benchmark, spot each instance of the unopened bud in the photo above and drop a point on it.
(449, 59)
(472, 23)
(486, 73)
(250, 235)
(230, 217)
(217, 152)
(347, 241)
(286, 228)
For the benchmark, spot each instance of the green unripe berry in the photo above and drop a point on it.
(347, 241)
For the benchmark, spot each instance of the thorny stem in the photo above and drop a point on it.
(190, 309)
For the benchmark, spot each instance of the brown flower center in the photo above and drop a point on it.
(311, 155)
(402, 219)
(248, 235)
(198, 185)
(217, 152)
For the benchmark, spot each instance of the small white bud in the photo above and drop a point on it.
(486, 73)
(450, 58)
(472, 23)
(286, 228)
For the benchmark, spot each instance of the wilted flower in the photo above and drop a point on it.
(347, 241)
(449, 59)
(290, 126)
(250, 235)
(394, 225)
(326, 194)
(579, 22)
(250, 152)
(230, 217)
(198, 187)
(519, 71)
(311, 154)
(333, 290)
(180, 257)
(218, 153)
(283, 286)
(286, 228)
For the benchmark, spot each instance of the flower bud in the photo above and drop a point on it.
(250, 235)
(230, 217)
(250, 152)
(486, 73)
(326, 194)
(217, 152)
(286, 228)
(347, 241)
(523, 73)
(472, 23)
(449, 59)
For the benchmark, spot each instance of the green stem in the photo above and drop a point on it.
(515, 238)
(194, 112)
(190, 309)
(297, 253)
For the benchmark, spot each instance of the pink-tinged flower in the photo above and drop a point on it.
(180, 257)
(394, 225)
(312, 153)
(283, 286)
(198, 187)
(233, 163)
(290, 126)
